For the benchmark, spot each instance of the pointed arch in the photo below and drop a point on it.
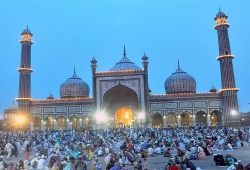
(157, 120)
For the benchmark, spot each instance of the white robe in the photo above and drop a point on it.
(41, 165)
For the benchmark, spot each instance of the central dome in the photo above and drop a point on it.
(74, 87)
(125, 64)
(180, 82)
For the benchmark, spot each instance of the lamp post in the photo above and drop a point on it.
(87, 123)
(141, 118)
(100, 118)
(164, 121)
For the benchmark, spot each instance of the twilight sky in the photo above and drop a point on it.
(68, 33)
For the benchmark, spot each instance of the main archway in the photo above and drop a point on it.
(123, 117)
(120, 104)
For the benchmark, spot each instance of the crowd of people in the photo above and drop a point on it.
(121, 148)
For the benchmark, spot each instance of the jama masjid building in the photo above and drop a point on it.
(121, 95)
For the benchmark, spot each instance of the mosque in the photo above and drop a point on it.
(122, 97)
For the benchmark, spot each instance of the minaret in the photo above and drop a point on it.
(93, 68)
(231, 115)
(24, 94)
(146, 87)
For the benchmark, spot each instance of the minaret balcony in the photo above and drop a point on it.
(225, 56)
(228, 89)
(25, 69)
(23, 99)
(221, 24)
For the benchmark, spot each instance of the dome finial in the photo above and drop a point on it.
(219, 9)
(178, 64)
(124, 51)
(74, 74)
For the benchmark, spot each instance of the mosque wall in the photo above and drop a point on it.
(191, 106)
(51, 115)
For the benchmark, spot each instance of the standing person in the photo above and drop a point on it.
(9, 148)
(15, 150)
(41, 164)
(145, 164)
(27, 152)
(3, 165)
(99, 165)
(80, 164)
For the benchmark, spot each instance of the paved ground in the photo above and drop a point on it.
(243, 154)
(158, 162)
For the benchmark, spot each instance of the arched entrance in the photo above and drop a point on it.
(120, 103)
(61, 123)
(49, 123)
(75, 122)
(85, 122)
(157, 120)
(185, 119)
(123, 117)
(171, 119)
(201, 117)
(36, 122)
(215, 118)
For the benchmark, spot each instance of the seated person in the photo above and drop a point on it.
(173, 167)
(158, 150)
(230, 161)
(167, 153)
(201, 154)
(150, 151)
(100, 152)
(219, 160)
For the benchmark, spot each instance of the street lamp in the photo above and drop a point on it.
(100, 117)
(141, 115)
(233, 112)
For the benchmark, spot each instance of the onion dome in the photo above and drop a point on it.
(26, 31)
(124, 64)
(180, 82)
(74, 87)
(220, 14)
